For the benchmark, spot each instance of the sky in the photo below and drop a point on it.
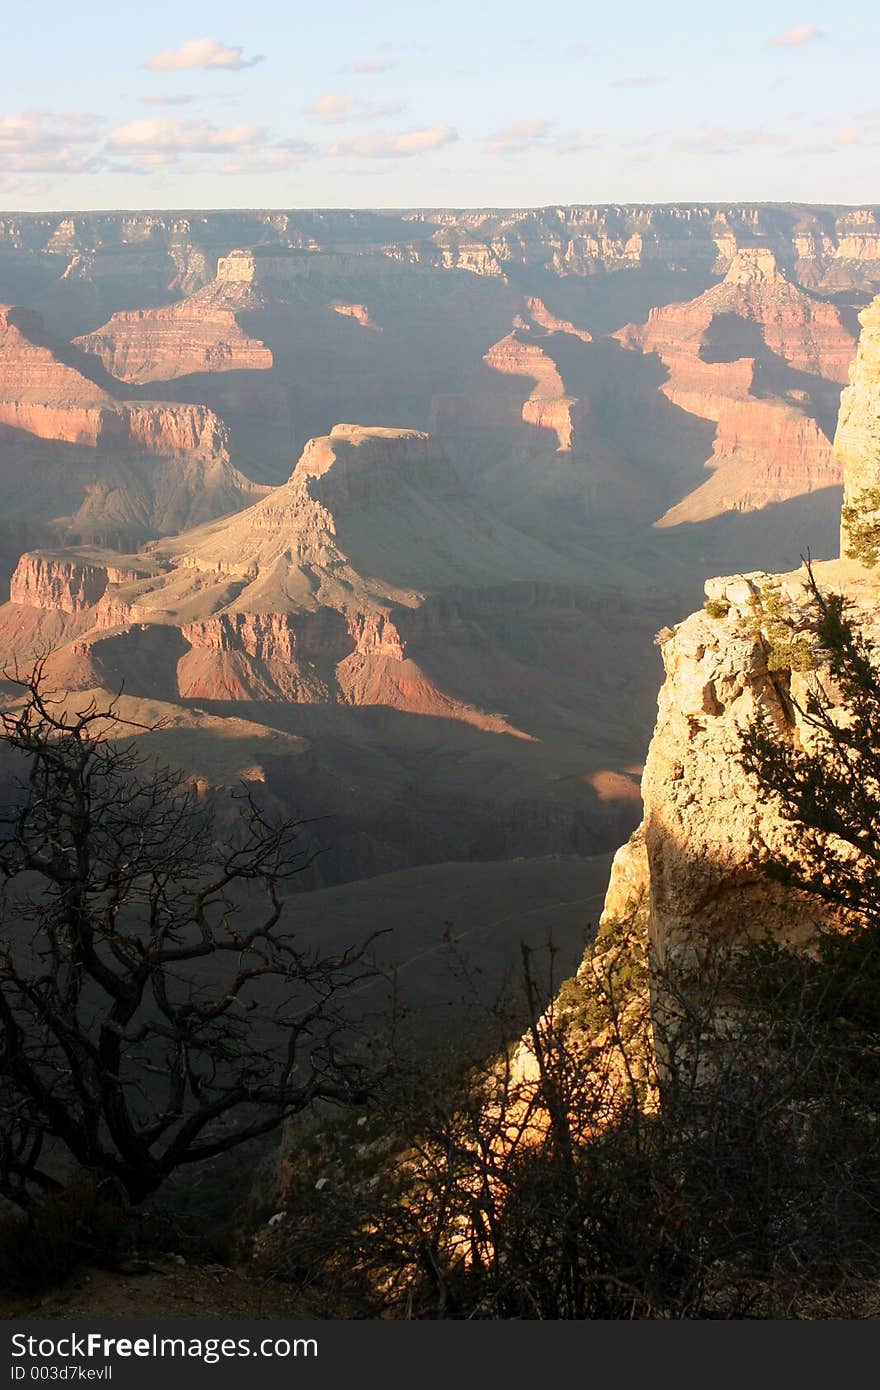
(424, 104)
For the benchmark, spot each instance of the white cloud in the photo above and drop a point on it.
(13, 184)
(282, 155)
(402, 146)
(45, 142)
(850, 135)
(513, 139)
(332, 105)
(210, 54)
(166, 99)
(151, 142)
(336, 108)
(541, 135)
(797, 37)
(159, 139)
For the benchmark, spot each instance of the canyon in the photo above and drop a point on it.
(692, 871)
(384, 509)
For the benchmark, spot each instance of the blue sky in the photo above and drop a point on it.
(438, 104)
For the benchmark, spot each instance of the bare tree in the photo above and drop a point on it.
(154, 1009)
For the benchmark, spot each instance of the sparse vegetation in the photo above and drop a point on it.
(861, 522)
(648, 1148)
(716, 608)
(710, 1151)
(155, 1011)
(788, 645)
(826, 782)
(560, 1188)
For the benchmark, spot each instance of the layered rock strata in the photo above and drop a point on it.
(755, 354)
(278, 603)
(80, 456)
(176, 340)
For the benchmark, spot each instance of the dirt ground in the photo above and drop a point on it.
(165, 1288)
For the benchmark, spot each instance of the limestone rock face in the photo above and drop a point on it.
(78, 583)
(706, 821)
(35, 370)
(808, 334)
(857, 441)
(46, 582)
(704, 817)
(629, 882)
(82, 267)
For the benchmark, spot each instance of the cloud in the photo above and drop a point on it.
(364, 66)
(45, 142)
(332, 106)
(210, 54)
(282, 155)
(402, 146)
(152, 142)
(166, 99)
(538, 134)
(336, 108)
(161, 140)
(850, 135)
(513, 139)
(796, 37)
(580, 50)
(13, 184)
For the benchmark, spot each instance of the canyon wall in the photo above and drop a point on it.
(81, 458)
(579, 238)
(80, 268)
(706, 820)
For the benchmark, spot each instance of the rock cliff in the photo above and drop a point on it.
(82, 268)
(433, 657)
(705, 819)
(197, 335)
(547, 406)
(78, 455)
(857, 442)
(758, 356)
(297, 597)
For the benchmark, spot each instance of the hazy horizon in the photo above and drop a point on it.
(207, 107)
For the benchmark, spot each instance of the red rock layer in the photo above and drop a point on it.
(73, 450)
(807, 333)
(268, 604)
(182, 339)
(548, 407)
(743, 354)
